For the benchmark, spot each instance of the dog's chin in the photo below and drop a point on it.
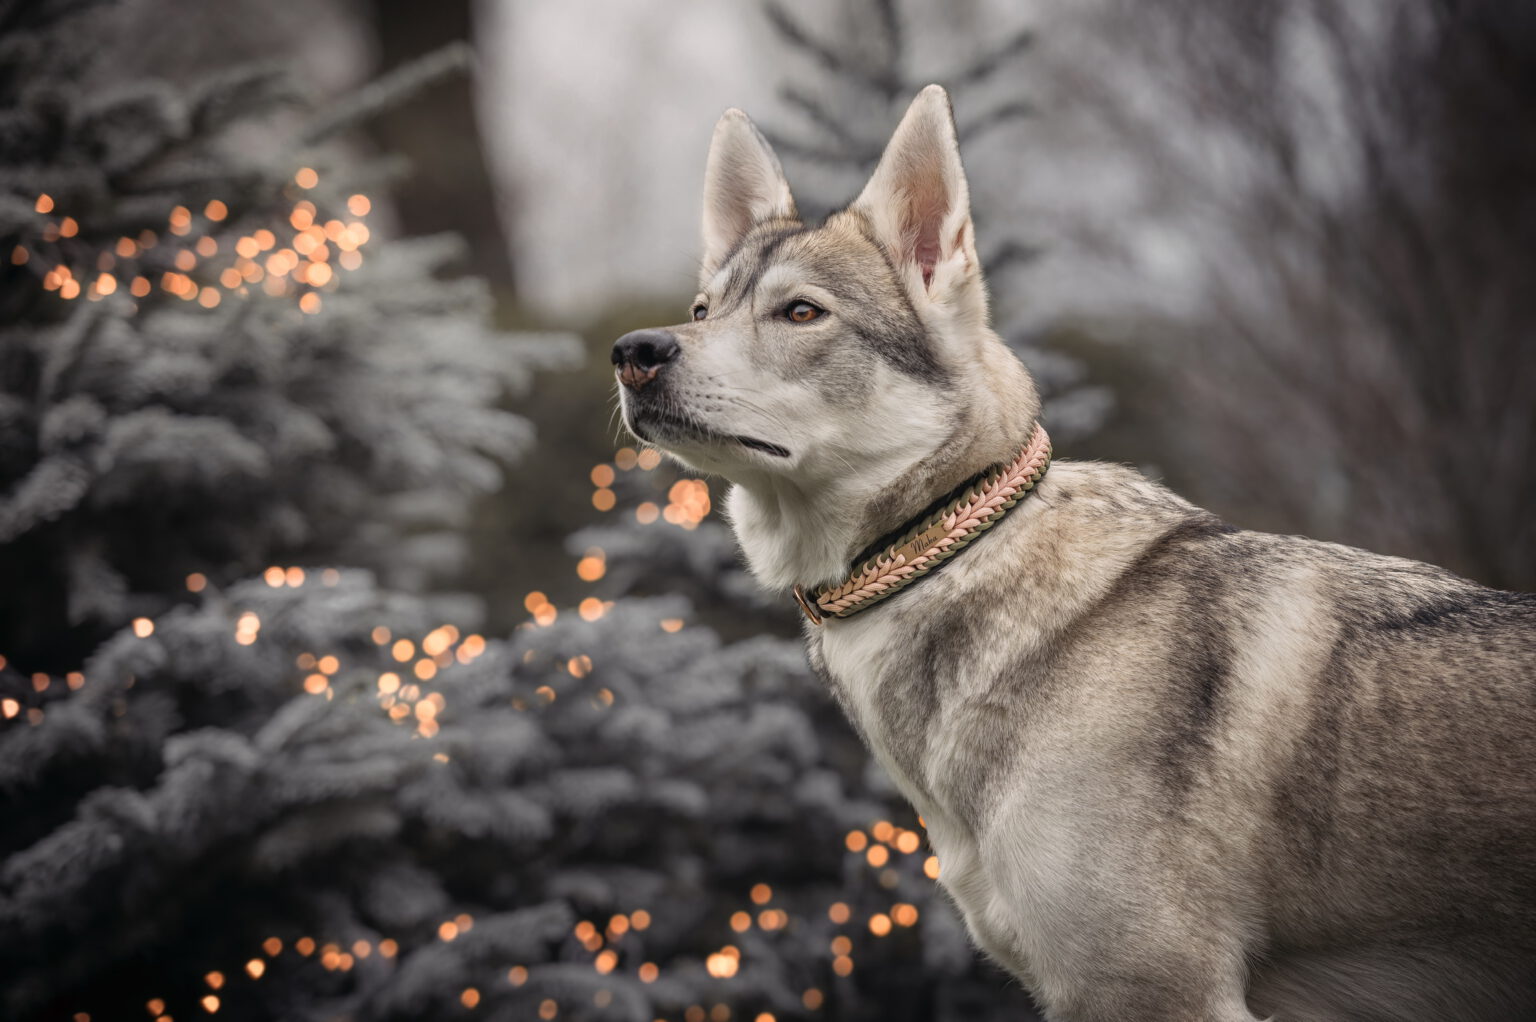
(700, 444)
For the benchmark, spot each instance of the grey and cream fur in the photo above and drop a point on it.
(1173, 770)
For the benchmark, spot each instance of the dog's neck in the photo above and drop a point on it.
(795, 532)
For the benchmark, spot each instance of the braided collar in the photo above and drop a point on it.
(934, 536)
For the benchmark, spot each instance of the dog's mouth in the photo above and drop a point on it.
(646, 421)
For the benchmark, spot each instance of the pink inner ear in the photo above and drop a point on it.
(926, 254)
(926, 206)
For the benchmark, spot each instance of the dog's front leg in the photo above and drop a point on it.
(1119, 998)
(1118, 966)
(1101, 931)
(1120, 971)
(1114, 977)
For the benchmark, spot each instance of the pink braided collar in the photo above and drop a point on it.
(934, 538)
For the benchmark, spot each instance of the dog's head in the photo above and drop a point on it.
(844, 356)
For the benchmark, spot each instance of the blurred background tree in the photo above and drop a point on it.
(1345, 348)
(1408, 255)
(189, 393)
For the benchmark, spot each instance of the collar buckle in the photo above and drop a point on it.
(806, 605)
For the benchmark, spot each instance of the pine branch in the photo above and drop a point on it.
(241, 93)
(389, 91)
(996, 117)
(818, 113)
(31, 16)
(826, 155)
(990, 62)
(893, 28)
(831, 59)
(1008, 254)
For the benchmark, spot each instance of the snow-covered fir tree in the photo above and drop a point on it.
(301, 798)
(207, 361)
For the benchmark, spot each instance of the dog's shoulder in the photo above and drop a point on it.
(1104, 489)
(1106, 521)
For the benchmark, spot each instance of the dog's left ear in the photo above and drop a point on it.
(919, 206)
(743, 185)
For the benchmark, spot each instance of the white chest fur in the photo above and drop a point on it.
(856, 653)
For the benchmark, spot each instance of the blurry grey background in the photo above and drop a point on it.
(598, 115)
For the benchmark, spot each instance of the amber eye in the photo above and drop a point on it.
(802, 312)
(699, 312)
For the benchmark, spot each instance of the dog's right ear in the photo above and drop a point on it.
(743, 185)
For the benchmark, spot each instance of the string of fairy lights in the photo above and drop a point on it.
(688, 501)
(200, 257)
(407, 698)
(611, 946)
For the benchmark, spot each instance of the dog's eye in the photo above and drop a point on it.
(802, 312)
(699, 312)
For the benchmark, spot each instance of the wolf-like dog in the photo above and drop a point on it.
(1172, 770)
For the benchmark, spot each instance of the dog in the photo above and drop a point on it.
(1172, 770)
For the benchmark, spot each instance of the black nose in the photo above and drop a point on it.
(640, 354)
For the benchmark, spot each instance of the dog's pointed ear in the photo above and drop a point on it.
(918, 204)
(743, 185)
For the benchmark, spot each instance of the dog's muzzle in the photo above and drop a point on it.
(641, 354)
